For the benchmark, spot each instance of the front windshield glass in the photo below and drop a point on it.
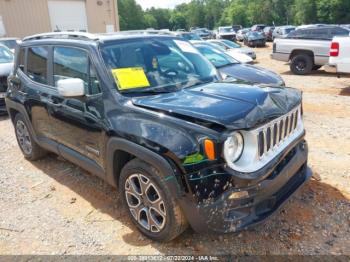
(191, 36)
(218, 47)
(218, 58)
(288, 30)
(11, 44)
(156, 65)
(202, 30)
(5, 56)
(254, 34)
(226, 29)
(231, 44)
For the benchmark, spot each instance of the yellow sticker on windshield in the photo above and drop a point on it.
(129, 78)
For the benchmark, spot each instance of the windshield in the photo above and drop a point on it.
(203, 30)
(254, 34)
(5, 56)
(225, 29)
(288, 30)
(191, 36)
(11, 44)
(156, 65)
(231, 44)
(218, 58)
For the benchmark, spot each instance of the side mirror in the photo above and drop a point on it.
(71, 87)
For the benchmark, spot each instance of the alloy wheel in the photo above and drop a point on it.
(145, 203)
(300, 65)
(23, 137)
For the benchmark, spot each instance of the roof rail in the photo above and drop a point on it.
(144, 32)
(63, 35)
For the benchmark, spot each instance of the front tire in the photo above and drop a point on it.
(30, 149)
(301, 64)
(151, 206)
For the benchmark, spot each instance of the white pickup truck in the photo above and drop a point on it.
(339, 55)
(307, 49)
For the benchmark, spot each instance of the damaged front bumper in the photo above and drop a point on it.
(243, 206)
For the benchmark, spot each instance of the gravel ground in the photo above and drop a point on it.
(53, 207)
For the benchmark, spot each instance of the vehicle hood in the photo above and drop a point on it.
(233, 106)
(240, 57)
(6, 69)
(252, 74)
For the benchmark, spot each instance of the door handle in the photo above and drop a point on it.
(54, 104)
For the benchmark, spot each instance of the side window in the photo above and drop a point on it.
(319, 34)
(37, 64)
(296, 34)
(21, 58)
(339, 32)
(74, 63)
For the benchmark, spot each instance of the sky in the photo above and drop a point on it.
(160, 3)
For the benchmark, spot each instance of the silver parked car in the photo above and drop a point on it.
(307, 49)
(6, 67)
(282, 31)
(226, 32)
(229, 45)
(241, 33)
(10, 42)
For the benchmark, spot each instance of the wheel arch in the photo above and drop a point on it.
(302, 51)
(120, 151)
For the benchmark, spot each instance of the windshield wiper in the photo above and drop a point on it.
(228, 64)
(196, 83)
(154, 90)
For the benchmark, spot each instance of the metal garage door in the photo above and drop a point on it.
(68, 15)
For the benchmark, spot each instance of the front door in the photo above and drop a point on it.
(77, 122)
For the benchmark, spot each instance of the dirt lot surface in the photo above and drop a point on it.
(53, 207)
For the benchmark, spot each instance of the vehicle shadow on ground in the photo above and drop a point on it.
(319, 73)
(4, 117)
(345, 91)
(305, 209)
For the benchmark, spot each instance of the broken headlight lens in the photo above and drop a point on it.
(233, 147)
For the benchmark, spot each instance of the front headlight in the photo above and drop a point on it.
(233, 147)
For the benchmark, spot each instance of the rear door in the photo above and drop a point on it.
(34, 88)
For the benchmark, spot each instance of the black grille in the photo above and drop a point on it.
(273, 134)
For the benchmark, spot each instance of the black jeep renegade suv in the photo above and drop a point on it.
(149, 115)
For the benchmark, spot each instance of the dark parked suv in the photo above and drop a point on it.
(150, 115)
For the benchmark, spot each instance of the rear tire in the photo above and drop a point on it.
(301, 64)
(30, 149)
(150, 205)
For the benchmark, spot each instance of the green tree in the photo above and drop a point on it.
(150, 21)
(212, 13)
(162, 17)
(305, 12)
(235, 13)
(178, 21)
(131, 15)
